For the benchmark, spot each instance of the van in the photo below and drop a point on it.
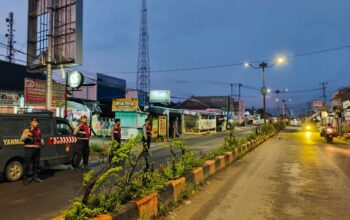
(60, 146)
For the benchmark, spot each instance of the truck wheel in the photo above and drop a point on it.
(14, 171)
(76, 160)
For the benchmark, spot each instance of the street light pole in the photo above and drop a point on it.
(263, 65)
(280, 60)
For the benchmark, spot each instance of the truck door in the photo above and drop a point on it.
(64, 140)
(48, 150)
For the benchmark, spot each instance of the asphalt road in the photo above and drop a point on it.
(45, 200)
(292, 176)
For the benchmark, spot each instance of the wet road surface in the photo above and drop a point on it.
(292, 176)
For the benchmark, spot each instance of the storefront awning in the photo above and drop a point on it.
(164, 110)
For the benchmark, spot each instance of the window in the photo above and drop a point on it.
(63, 128)
(11, 127)
(45, 126)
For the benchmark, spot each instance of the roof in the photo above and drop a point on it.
(192, 104)
(207, 102)
(14, 76)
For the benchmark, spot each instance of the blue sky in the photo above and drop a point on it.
(196, 33)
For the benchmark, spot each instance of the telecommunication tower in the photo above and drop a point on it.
(143, 67)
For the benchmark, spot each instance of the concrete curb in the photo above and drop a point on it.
(149, 206)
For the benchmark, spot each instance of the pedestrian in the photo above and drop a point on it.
(82, 132)
(32, 144)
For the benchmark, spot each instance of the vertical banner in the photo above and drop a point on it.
(162, 120)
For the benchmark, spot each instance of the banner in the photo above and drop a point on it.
(207, 124)
(35, 93)
(162, 120)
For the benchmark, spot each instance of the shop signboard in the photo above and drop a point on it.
(125, 104)
(35, 93)
(154, 128)
(162, 126)
(9, 99)
(347, 115)
(159, 96)
(346, 104)
(206, 124)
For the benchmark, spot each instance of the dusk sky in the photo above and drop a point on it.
(196, 33)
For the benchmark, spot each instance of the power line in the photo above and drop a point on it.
(236, 63)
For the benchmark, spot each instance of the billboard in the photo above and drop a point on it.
(125, 104)
(9, 99)
(318, 103)
(35, 93)
(67, 29)
(159, 96)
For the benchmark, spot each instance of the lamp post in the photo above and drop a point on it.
(263, 65)
(263, 89)
(278, 100)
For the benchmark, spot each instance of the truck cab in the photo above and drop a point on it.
(60, 146)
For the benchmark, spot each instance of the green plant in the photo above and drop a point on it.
(116, 182)
(96, 148)
(179, 164)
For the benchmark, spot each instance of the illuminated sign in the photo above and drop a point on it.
(75, 79)
(159, 96)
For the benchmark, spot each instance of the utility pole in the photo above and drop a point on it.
(239, 100)
(143, 67)
(278, 102)
(50, 9)
(324, 92)
(231, 96)
(239, 90)
(10, 38)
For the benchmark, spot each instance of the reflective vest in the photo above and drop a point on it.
(84, 132)
(34, 140)
(117, 133)
(148, 130)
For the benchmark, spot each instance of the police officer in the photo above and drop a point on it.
(146, 142)
(116, 136)
(147, 134)
(82, 132)
(116, 132)
(32, 144)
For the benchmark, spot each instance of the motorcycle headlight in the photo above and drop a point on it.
(329, 130)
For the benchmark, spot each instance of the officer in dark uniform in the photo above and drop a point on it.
(32, 144)
(82, 132)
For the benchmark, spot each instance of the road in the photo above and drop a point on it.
(45, 200)
(292, 176)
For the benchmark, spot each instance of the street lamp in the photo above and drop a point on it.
(277, 98)
(280, 60)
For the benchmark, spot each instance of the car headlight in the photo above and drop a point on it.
(308, 127)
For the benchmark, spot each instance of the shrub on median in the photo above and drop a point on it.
(115, 182)
(179, 164)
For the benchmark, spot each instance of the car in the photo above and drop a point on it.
(60, 146)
